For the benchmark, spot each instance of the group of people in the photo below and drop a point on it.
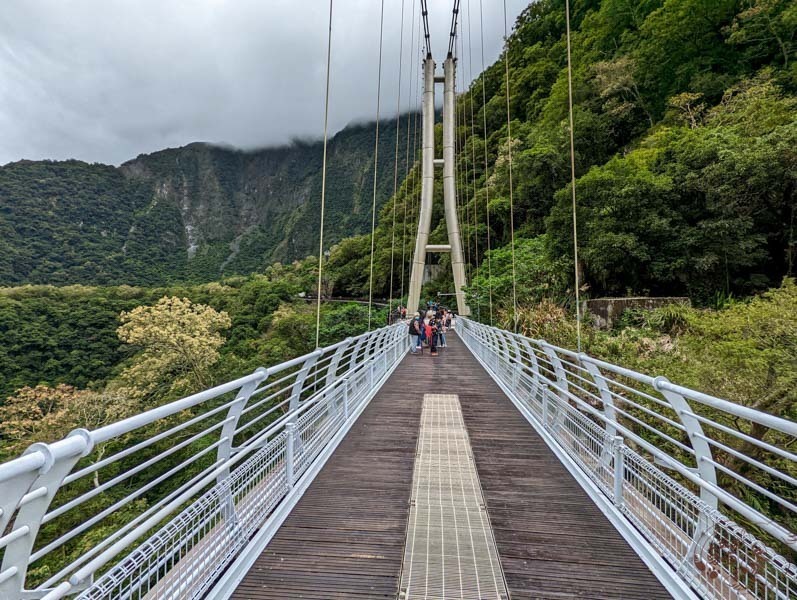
(430, 329)
(396, 315)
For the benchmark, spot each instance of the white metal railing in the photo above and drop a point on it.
(684, 468)
(194, 478)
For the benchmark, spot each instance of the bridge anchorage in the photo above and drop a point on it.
(537, 471)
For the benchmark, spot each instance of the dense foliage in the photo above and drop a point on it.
(686, 171)
(69, 334)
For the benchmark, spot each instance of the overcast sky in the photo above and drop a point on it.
(106, 80)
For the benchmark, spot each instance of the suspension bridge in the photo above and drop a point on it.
(359, 471)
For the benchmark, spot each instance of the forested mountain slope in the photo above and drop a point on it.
(187, 214)
(685, 135)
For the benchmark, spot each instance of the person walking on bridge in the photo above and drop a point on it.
(432, 332)
(442, 328)
(415, 334)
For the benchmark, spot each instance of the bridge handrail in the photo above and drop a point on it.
(608, 417)
(662, 383)
(194, 440)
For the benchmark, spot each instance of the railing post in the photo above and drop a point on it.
(558, 369)
(334, 363)
(301, 376)
(382, 346)
(60, 458)
(484, 334)
(357, 346)
(332, 371)
(518, 360)
(346, 398)
(498, 344)
(535, 368)
(545, 404)
(619, 469)
(233, 416)
(705, 468)
(290, 452)
(608, 403)
(561, 381)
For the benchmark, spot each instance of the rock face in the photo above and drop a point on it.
(187, 214)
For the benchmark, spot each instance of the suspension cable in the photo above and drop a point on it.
(573, 176)
(458, 197)
(486, 172)
(407, 155)
(376, 164)
(395, 162)
(511, 189)
(453, 33)
(425, 14)
(416, 195)
(473, 152)
(464, 168)
(323, 186)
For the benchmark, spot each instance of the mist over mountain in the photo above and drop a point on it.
(194, 213)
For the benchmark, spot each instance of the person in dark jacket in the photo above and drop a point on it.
(415, 334)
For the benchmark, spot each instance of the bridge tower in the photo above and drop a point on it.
(428, 164)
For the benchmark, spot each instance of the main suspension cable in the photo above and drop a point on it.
(395, 162)
(511, 188)
(573, 177)
(376, 164)
(323, 186)
(486, 172)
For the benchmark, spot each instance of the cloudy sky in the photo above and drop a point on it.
(105, 80)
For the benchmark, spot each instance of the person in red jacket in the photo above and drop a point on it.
(431, 334)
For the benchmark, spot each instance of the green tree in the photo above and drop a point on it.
(179, 341)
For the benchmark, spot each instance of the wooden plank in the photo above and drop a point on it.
(345, 538)
(553, 540)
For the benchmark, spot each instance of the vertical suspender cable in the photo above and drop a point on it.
(511, 189)
(323, 186)
(573, 176)
(376, 160)
(458, 175)
(395, 161)
(407, 156)
(486, 173)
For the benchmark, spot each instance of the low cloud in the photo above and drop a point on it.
(105, 80)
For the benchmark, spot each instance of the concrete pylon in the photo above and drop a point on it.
(427, 187)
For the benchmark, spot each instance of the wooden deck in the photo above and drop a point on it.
(345, 538)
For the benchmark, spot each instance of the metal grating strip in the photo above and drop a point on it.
(450, 551)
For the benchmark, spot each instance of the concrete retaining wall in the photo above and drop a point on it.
(604, 312)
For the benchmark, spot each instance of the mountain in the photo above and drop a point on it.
(685, 129)
(194, 213)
